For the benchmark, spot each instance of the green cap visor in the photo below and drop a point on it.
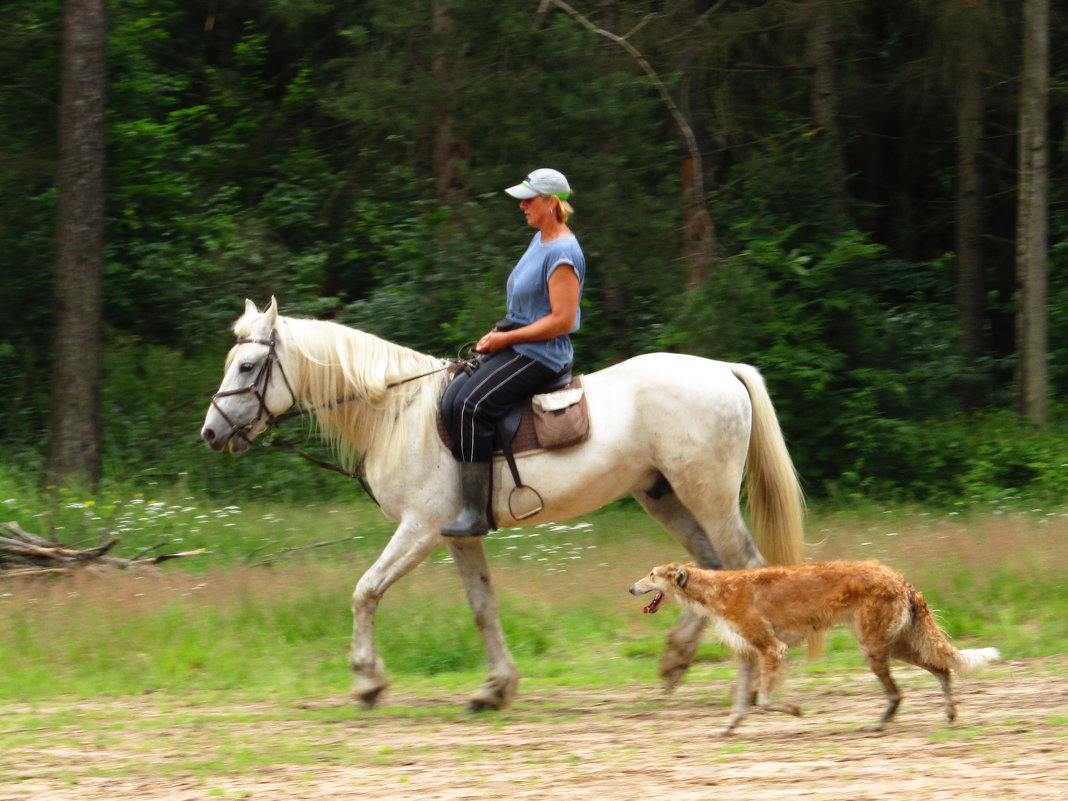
(561, 195)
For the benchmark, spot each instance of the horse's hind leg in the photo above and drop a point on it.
(685, 637)
(680, 523)
(408, 547)
(499, 688)
(712, 505)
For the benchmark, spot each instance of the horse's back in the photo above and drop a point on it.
(670, 381)
(671, 368)
(672, 407)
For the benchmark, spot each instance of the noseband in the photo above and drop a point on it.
(260, 383)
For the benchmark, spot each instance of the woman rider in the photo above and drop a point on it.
(544, 290)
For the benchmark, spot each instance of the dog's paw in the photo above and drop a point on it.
(789, 709)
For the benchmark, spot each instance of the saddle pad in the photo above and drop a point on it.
(526, 436)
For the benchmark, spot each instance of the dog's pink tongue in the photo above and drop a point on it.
(654, 604)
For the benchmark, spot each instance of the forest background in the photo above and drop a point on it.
(826, 190)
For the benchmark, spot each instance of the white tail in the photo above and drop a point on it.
(776, 503)
(976, 659)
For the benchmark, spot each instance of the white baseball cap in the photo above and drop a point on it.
(541, 182)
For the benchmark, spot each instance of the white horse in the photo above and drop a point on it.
(678, 432)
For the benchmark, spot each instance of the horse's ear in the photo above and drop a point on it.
(250, 307)
(264, 324)
(270, 317)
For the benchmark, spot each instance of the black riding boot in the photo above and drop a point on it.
(474, 487)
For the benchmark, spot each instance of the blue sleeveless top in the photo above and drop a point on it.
(528, 295)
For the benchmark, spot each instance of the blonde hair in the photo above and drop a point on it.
(563, 208)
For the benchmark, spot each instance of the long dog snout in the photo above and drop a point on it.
(651, 583)
(641, 587)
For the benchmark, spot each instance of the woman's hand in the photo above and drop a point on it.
(492, 342)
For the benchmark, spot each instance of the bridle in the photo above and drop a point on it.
(262, 381)
(259, 386)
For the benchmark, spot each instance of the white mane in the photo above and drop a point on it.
(345, 376)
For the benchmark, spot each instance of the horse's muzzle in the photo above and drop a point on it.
(236, 441)
(216, 442)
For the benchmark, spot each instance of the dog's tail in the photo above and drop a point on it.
(930, 644)
(973, 659)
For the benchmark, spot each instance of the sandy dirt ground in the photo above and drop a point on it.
(1011, 741)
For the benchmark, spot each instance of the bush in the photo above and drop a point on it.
(974, 457)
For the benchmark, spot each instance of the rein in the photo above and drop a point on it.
(272, 421)
(275, 420)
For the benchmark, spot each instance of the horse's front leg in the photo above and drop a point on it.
(502, 680)
(409, 546)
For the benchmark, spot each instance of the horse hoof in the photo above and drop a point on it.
(369, 699)
(672, 678)
(477, 706)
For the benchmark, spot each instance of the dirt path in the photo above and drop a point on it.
(1011, 742)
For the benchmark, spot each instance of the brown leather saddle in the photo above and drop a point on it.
(555, 416)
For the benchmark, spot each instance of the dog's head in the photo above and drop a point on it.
(665, 581)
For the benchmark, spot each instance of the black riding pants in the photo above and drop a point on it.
(486, 395)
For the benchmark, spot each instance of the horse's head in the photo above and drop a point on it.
(254, 389)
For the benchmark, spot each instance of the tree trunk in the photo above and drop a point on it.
(874, 158)
(820, 47)
(700, 249)
(74, 437)
(971, 288)
(450, 150)
(1032, 227)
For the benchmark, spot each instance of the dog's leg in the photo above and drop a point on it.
(772, 666)
(748, 674)
(879, 662)
(947, 692)
(904, 651)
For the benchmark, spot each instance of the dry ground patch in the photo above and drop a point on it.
(1011, 741)
(609, 738)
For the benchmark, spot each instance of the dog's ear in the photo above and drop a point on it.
(680, 575)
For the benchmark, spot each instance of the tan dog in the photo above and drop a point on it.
(761, 612)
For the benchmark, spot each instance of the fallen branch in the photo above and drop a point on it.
(273, 557)
(25, 554)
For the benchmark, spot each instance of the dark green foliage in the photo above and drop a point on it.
(274, 147)
(857, 347)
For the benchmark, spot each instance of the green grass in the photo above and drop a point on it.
(213, 624)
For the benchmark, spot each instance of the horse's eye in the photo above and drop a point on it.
(246, 367)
